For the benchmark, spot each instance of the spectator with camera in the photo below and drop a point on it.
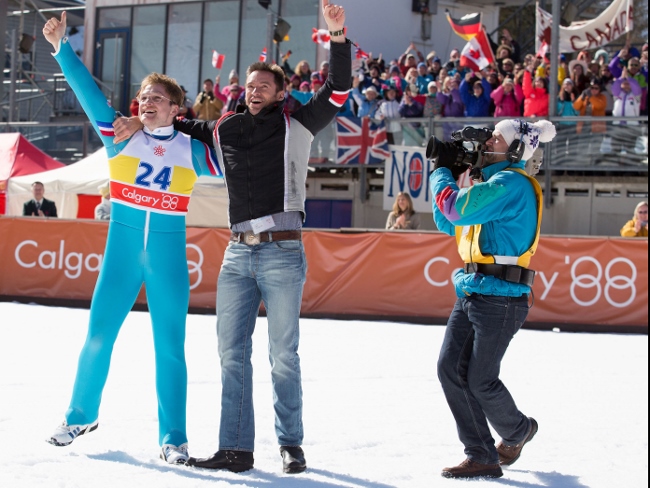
(638, 226)
(497, 224)
(591, 102)
(207, 105)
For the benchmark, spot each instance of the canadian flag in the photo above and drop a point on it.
(218, 59)
(477, 53)
(321, 36)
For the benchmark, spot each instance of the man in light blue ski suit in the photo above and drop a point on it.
(152, 175)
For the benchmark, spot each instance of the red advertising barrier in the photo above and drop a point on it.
(581, 280)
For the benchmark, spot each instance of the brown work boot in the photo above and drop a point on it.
(509, 454)
(472, 469)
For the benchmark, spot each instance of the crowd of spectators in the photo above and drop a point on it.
(598, 83)
(593, 83)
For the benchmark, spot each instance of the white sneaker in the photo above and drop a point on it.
(174, 454)
(65, 434)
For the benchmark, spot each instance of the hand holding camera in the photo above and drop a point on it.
(448, 156)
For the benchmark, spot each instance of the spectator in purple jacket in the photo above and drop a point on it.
(622, 58)
(409, 107)
(508, 99)
(452, 105)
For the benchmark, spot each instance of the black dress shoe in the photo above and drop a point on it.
(235, 461)
(293, 459)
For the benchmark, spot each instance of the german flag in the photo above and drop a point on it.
(467, 27)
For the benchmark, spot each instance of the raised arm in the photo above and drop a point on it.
(321, 109)
(91, 98)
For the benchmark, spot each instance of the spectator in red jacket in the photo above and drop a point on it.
(535, 95)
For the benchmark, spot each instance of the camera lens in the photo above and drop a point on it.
(432, 148)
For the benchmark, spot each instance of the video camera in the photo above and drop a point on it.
(458, 152)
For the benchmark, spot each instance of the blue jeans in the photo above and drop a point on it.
(478, 333)
(275, 273)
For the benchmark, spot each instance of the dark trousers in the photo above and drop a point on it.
(478, 333)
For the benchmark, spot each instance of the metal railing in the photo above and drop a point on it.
(600, 144)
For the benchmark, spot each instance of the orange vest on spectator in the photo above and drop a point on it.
(598, 105)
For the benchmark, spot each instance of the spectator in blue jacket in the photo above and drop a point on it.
(368, 101)
(423, 79)
(476, 95)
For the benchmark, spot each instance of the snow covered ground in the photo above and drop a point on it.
(375, 415)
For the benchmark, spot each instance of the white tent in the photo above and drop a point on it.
(208, 206)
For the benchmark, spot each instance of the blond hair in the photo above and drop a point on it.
(638, 206)
(172, 88)
(409, 210)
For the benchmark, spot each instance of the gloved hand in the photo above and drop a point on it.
(447, 155)
(457, 170)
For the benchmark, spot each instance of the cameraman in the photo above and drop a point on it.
(496, 223)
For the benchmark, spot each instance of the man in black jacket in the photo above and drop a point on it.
(39, 206)
(263, 152)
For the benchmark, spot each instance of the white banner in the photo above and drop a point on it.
(408, 170)
(616, 20)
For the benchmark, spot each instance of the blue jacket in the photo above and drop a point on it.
(565, 109)
(505, 205)
(476, 107)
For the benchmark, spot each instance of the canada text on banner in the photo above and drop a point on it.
(615, 21)
(361, 141)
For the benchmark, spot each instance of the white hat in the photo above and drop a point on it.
(573, 62)
(540, 131)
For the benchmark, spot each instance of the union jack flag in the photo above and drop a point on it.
(361, 141)
(360, 53)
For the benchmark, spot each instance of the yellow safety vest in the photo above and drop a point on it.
(467, 237)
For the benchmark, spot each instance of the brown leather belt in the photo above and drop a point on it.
(253, 239)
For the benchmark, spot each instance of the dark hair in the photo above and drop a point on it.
(544, 81)
(278, 73)
(207, 80)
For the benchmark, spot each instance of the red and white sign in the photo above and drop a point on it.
(616, 20)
